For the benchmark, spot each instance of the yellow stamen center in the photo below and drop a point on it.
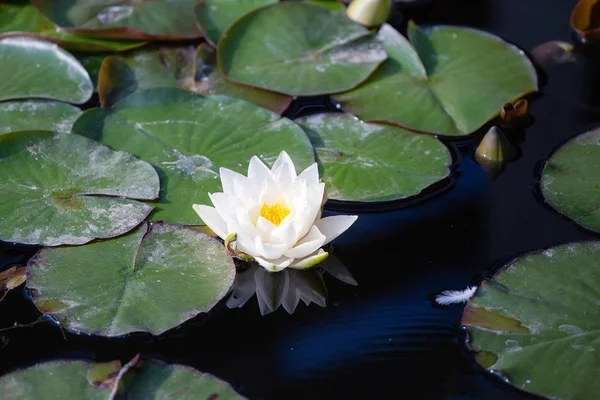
(275, 213)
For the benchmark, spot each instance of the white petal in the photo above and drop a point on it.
(269, 251)
(265, 228)
(310, 175)
(284, 175)
(286, 232)
(212, 219)
(333, 227)
(258, 171)
(307, 245)
(284, 159)
(227, 177)
(246, 189)
(274, 265)
(310, 261)
(225, 205)
(269, 192)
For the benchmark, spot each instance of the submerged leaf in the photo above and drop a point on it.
(158, 277)
(553, 52)
(67, 189)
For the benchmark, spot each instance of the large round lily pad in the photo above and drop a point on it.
(151, 280)
(571, 180)
(26, 20)
(372, 162)
(144, 380)
(34, 68)
(298, 48)
(187, 138)
(447, 80)
(537, 322)
(215, 16)
(67, 189)
(146, 19)
(26, 115)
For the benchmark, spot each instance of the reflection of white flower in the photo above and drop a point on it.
(275, 214)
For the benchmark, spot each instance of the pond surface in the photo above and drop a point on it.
(384, 338)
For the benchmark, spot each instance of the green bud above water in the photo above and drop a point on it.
(494, 147)
(369, 13)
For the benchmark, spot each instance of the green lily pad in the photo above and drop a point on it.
(26, 115)
(371, 162)
(571, 180)
(215, 16)
(298, 49)
(156, 381)
(33, 68)
(187, 138)
(26, 20)
(209, 81)
(181, 67)
(333, 5)
(155, 278)
(155, 19)
(537, 322)
(147, 380)
(91, 63)
(66, 189)
(447, 80)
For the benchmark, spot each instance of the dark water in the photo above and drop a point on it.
(384, 338)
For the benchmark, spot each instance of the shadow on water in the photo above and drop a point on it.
(383, 338)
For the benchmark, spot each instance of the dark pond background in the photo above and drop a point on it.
(384, 338)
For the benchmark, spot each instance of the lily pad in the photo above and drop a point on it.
(26, 20)
(298, 49)
(209, 81)
(215, 16)
(147, 380)
(366, 162)
(571, 180)
(156, 278)
(25, 115)
(32, 68)
(447, 80)
(187, 137)
(154, 19)
(66, 189)
(182, 67)
(537, 322)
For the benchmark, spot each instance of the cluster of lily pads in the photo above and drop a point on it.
(109, 191)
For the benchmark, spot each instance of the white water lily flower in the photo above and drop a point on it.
(275, 214)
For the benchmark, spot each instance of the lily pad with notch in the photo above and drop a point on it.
(537, 321)
(67, 189)
(149, 280)
(571, 180)
(146, 379)
(446, 80)
(299, 49)
(365, 162)
(216, 16)
(31, 68)
(188, 137)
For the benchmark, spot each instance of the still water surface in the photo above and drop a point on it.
(384, 338)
